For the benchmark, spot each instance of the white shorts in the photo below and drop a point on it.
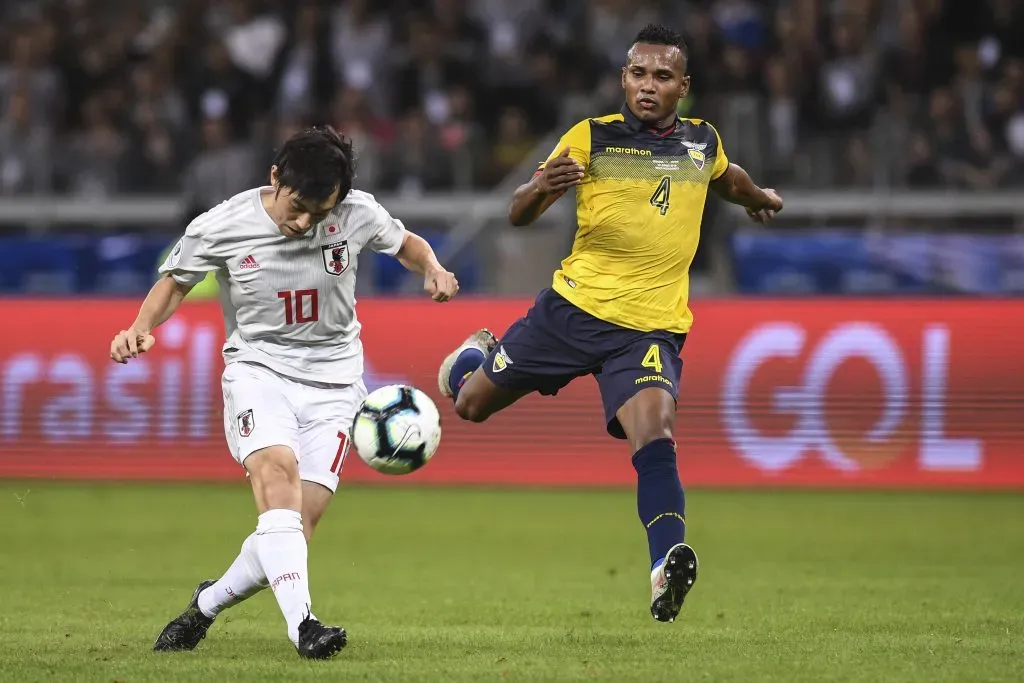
(263, 408)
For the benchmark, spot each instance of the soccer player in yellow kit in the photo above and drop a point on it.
(618, 306)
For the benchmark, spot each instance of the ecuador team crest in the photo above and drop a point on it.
(336, 257)
(697, 157)
(695, 150)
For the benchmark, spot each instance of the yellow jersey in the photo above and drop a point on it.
(638, 210)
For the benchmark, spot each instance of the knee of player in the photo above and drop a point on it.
(275, 472)
(651, 430)
(278, 471)
(469, 409)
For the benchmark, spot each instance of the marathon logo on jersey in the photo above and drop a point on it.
(246, 423)
(336, 257)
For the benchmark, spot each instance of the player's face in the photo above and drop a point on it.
(296, 216)
(654, 79)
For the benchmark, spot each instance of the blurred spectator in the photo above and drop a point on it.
(360, 42)
(95, 154)
(223, 168)
(98, 96)
(415, 161)
(25, 149)
(304, 66)
(512, 145)
(352, 117)
(28, 69)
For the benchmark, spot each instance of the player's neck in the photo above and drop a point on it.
(268, 197)
(666, 124)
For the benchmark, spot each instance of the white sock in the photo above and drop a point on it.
(243, 579)
(282, 551)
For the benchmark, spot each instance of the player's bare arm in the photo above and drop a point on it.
(418, 256)
(161, 302)
(531, 200)
(736, 186)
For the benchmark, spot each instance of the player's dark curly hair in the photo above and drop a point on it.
(659, 34)
(315, 162)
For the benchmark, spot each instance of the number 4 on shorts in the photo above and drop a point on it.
(652, 359)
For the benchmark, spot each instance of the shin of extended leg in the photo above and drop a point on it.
(660, 501)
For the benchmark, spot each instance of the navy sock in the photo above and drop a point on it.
(659, 497)
(465, 365)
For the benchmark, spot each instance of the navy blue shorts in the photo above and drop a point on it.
(556, 342)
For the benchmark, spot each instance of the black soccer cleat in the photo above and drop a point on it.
(317, 641)
(188, 628)
(672, 581)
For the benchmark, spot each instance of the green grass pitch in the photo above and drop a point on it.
(500, 585)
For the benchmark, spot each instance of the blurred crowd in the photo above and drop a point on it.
(99, 97)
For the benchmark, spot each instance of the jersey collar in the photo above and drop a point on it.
(637, 125)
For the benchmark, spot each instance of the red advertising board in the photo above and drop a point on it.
(889, 393)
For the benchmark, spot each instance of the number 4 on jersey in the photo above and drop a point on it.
(660, 198)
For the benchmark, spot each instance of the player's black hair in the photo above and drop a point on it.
(659, 34)
(314, 162)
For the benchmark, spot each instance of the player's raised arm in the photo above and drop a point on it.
(418, 256)
(161, 302)
(187, 265)
(565, 168)
(414, 253)
(736, 186)
(531, 200)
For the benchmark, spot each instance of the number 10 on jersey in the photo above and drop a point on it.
(297, 303)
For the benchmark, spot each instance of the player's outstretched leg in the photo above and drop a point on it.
(463, 362)
(282, 550)
(647, 420)
(188, 628)
(243, 579)
(661, 507)
(283, 553)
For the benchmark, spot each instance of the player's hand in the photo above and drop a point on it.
(560, 174)
(129, 344)
(767, 211)
(441, 285)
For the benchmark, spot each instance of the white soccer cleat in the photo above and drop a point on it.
(482, 340)
(672, 581)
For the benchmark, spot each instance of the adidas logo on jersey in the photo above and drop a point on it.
(248, 263)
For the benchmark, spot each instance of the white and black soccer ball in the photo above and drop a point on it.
(397, 429)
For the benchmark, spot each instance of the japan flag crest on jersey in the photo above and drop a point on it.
(335, 257)
(246, 423)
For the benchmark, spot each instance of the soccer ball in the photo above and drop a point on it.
(396, 429)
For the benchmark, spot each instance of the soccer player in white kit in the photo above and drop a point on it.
(285, 258)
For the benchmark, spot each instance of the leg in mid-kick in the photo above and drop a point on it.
(291, 495)
(277, 549)
(476, 396)
(538, 353)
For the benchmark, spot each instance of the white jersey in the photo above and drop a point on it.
(289, 303)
